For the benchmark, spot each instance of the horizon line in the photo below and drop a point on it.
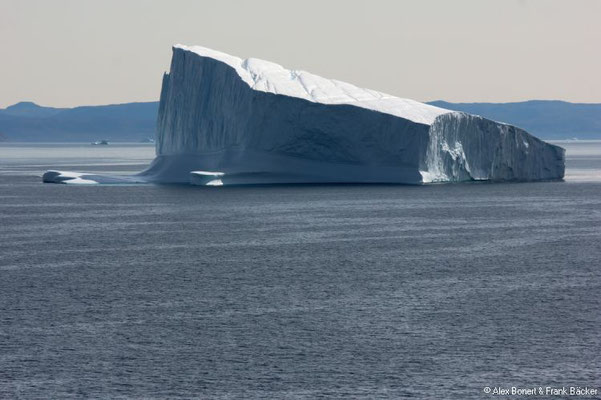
(425, 102)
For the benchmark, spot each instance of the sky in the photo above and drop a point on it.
(66, 53)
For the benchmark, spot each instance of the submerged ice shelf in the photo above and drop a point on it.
(223, 120)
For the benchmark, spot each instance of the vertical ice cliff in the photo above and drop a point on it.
(223, 120)
(465, 147)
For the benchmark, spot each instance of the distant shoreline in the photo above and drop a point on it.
(135, 122)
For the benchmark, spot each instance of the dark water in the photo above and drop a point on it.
(297, 291)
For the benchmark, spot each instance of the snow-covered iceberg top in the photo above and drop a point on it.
(270, 77)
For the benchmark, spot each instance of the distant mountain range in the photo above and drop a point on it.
(135, 122)
(29, 122)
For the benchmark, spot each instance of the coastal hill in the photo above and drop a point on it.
(29, 122)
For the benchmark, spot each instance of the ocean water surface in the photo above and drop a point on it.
(294, 292)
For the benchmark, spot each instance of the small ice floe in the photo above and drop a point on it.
(82, 178)
(67, 177)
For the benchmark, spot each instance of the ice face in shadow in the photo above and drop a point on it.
(257, 122)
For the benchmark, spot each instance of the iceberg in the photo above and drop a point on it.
(223, 120)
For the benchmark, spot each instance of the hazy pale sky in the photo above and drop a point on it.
(79, 52)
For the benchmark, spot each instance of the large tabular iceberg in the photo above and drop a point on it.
(223, 120)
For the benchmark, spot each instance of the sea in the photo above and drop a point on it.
(446, 291)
